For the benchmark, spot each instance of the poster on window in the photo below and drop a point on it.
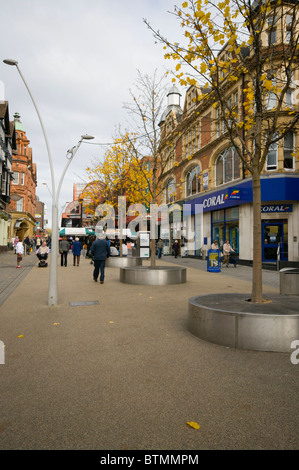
(205, 181)
(144, 239)
(144, 252)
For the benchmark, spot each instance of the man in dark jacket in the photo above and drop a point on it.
(64, 247)
(100, 251)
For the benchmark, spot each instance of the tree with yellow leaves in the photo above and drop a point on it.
(257, 42)
(118, 176)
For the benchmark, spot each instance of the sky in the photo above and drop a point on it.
(79, 59)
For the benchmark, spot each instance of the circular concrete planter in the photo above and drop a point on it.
(158, 276)
(229, 320)
(122, 262)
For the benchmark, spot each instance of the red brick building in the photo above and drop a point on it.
(23, 186)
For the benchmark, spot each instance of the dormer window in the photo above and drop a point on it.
(191, 100)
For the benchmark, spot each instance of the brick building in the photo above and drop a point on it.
(22, 207)
(203, 168)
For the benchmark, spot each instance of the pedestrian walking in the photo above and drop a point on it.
(64, 247)
(160, 246)
(226, 252)
(176, 248)
(100, 252)
(19, 252)
(27, 245)
(16, 241)
(76, 249)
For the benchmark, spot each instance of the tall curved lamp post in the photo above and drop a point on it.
(53, 280)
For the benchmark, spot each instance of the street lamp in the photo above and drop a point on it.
(53, 281)
(46, 184)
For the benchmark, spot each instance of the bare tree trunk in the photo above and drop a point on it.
(257, 282)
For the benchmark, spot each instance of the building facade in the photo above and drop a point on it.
(22, 207)
(7, 146)
(206, 176)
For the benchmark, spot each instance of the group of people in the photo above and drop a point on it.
(227, 249)
(100, 249)
(64, 248)
(28, 245)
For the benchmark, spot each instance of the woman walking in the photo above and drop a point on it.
(19, 252)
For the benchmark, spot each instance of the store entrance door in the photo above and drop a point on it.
(274, 236)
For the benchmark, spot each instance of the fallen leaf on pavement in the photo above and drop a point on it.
(192, 424)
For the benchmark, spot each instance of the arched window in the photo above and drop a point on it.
(170, 191)
(193, 181)
(227, 166)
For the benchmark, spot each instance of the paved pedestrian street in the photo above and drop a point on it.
(113, 366)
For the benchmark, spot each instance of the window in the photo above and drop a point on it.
(272, 103)
(192, 143)
(227, 166)
(289, 98)
(272, 155)
(169, 158)
(170, 192)
(288, 150)
(22, 178)
(193, 181)
(20, 205)
(271, 31)
(289, 21)
(4, 183)
(15, 177)
(191, 100)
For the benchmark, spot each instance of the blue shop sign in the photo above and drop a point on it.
(272, 189)
(274, 208)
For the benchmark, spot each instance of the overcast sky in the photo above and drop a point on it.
(79, 58)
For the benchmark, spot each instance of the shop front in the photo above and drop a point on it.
(228, 215)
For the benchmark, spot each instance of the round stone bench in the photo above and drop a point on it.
(158, 276)
(122, 262)
(233, 321)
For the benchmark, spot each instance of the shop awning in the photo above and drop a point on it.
(75, 231)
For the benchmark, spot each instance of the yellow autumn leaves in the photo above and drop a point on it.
(122, 173)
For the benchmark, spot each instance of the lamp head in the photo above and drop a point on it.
(87, 137)
(10, 62)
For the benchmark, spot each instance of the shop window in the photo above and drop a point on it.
(225, 226)
(218, 216)
(193, 181)
(289, 151)
(232, 213)
(170, 192)
(227, 166)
